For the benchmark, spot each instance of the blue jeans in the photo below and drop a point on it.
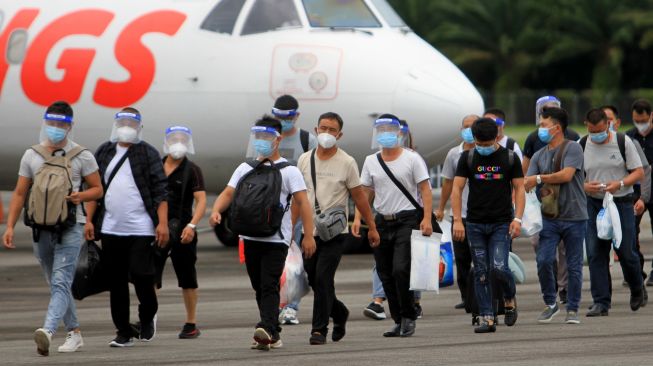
(572, 234)
(490, 245)
(59, 261)
(598, 252)
(377, 287)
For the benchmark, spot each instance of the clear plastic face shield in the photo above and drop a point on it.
(178, 142)
(262, 142)
(127, 128)
(55, 130)
(287, 118)
(404, 137)
(386, 133)
(545, 101)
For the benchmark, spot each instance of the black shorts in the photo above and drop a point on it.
(184, 257)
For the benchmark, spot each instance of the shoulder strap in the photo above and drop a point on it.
(583, 142)
(317, 205)
(470, 159)
(397, 183)
(557, 159)
(41, 150)
(184, 184)
(115, 170)
(511, 158)
(75, 151)
(303, 138)
(621, 143)
(510, 143)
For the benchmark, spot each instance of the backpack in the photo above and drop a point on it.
(621, 143)
(303, 139)
(255, 209)
(510, 144)
(46, 207)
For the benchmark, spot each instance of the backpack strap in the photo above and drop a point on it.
(621, 143)
(510, 143)
(470, 159)
(42, 150)
(511, 159)
(557, 159)
(583, 142)
(303, 138)
(74, 152)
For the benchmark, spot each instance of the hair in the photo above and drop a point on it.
(388, 115)
(403, 123)
(641, 106)
(474, 116)
(286, 103)
(614, 109)
(497, 112)
(558, 115)
(269, 121)
(595, 115)
(60, 107)
(131, 110)
(485, 129)
(332, 116)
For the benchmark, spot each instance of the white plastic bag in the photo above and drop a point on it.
(294, 280)
(425, 260)
(608, 223)
(532, 219)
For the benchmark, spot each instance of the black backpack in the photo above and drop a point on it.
(621, 143)
(255, 208)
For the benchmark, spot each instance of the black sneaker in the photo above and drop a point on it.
(189, 331)
(374, 311)
(340, 328)
(485, 327)
(563, 296)
(597, 310)
(636, 299)
(395, 331)
(510, 318)
(476, 320)
(407, 328)
(460, 305)
(317, 338)
(148, 331)
(121, 341)
(418, 310)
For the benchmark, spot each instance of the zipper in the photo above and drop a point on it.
(47, 189)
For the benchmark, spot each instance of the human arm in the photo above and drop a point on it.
(221, 204)
(361, 200)
(300, 199)
(445, 194)
(456, 207)
(520, 202)
(15, 206)
(188, 233)
(427, 200)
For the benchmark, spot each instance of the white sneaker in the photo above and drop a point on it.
(265, 347)
(73, 342)
(42, 338)
(288, 316)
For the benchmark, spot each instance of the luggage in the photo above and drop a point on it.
(90, 276)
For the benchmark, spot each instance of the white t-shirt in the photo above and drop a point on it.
(125, 210)
(292, 183)
(516, 149)
(291, 148)
(449, 172)
(409, 169)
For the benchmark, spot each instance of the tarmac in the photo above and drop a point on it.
(227, 313)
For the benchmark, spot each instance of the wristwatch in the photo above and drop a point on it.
(538, 179)
(621, 184)
(192, 226)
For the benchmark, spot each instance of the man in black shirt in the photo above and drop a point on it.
(493, 173)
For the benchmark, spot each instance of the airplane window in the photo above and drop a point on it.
(17, 46)
(389, 14)
(222, 18)
(270, 15)
(340, 13)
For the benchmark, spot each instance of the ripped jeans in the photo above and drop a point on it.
(490, 245)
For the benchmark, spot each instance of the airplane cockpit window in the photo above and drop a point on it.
(271, 15)
(17, 46)
(222, 18)
(388, 13)
(340, 13)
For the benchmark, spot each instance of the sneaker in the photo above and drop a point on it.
(262, 336)
(73, 342)
(407, 328)
(288, 316)
(148, 332)
(340, 328)
(418, 310)
(460, 305)
(485, 327)
(476, 320)
(597, 310)
(374, 311)
(266, 347)
(189, 331)
(121, 341)
(563, 296)
(572, 317)
(510, 317)
(636, 299)
(42, 338)
(317, 338)
(395, 331)
(548, 314)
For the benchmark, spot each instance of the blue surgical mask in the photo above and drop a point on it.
(287, 125)
(467, 135)
(599, 137)
(263, 147)
(544, 135)
(485, 150)
(55, 134)
(387, 139)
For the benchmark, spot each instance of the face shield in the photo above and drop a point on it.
(545, 101)
(287, 118)
(127, 128)
(56, 128)
(262, 142)
(404, 137)
(178, 142)
(386, 133)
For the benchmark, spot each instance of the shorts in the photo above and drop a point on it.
(184, 257)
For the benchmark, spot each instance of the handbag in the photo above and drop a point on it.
(175, 226)
(329, 223)
(549, 193)
(90, 276)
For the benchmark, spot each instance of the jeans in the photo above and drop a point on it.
(463, 257)
(490, 245)
(572, 234)
(377, 287)
(265, 262)
(58, 262)
(598, 253)
(321, 269)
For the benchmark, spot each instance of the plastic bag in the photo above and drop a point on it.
(608, 223)
(532, 219)
(517, 268)
(425, 260)
(294, 280)
(445, 276)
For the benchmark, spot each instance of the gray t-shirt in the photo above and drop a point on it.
(291, 149)
(572, 201)
(83, 165)
(603, 163)
(449, 172)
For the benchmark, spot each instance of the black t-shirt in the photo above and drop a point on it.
(175, 181)
(490, 185)
(533, 143)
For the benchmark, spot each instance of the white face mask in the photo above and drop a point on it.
(326, 140)
(177, 150)
(127, 134)
(642, 127)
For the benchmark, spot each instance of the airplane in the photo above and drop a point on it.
(216, 66)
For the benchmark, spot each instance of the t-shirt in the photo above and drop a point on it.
(293, 182)
(572, 201)
(291, 148)
(533, 142)
(449, 172)
(125, 211)
(504, 141)
(175, 183)
(603, 163)
(83, 165)
(335, 177)
(490, 185)
(409, 169)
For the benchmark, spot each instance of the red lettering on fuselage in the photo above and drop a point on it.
(22, 20)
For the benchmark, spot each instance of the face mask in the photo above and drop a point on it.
(485, 150)
(544, 134)
(387, 139)
(177, 150)
(326, 140)
(642, 127)
(55, 134)
(263, 147)
(126, 134)
(599, 137)
(467, 135)
(287, 125)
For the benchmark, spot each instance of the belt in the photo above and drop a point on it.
(627, 198)
(399, 215)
